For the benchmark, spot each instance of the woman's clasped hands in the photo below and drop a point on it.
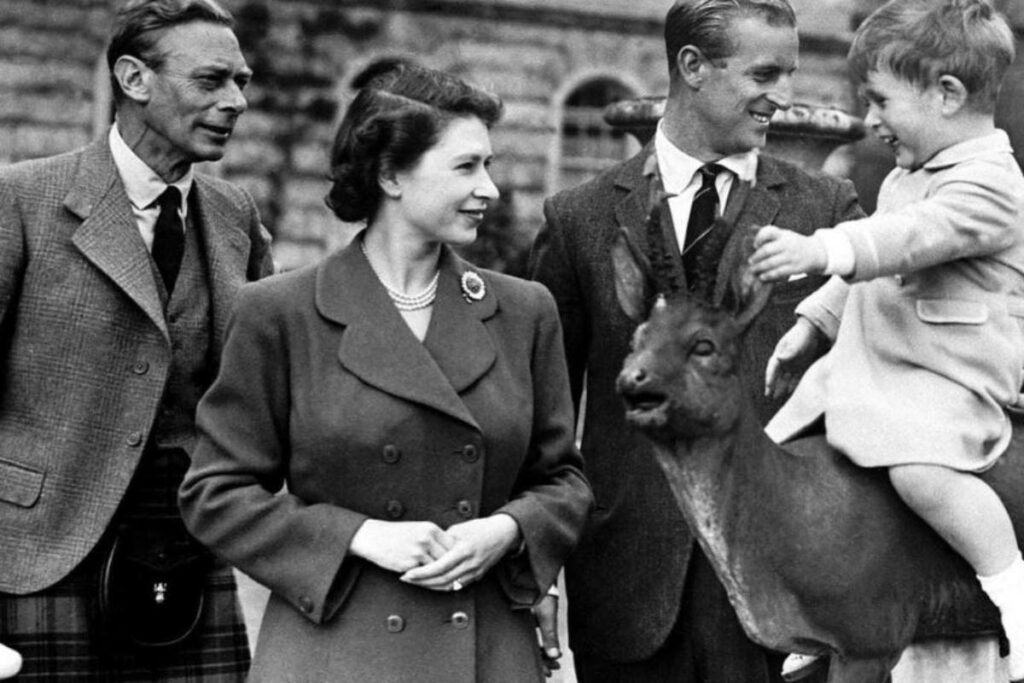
(431, 557)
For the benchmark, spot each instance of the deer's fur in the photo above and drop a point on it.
(817, 555)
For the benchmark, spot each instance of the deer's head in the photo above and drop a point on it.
(682, 379)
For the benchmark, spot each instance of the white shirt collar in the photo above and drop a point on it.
(141, 183)
(678, 168)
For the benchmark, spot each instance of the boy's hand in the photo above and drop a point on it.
(780, 253)
(794, 352)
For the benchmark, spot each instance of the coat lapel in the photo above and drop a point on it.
(632, 213)
(378, 347)
(108, 236)
(457, 338)
(226, 247)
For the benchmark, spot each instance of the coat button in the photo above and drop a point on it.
(395, 509)
(464, 508)
(470, 453)
(391, 454)
(305, 604)
(460, 620)
(141, 367)
(395, 623)
(134, 439)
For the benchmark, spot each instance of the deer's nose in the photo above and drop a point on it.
(631, 378)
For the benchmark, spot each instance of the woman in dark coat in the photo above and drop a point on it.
(426, 439)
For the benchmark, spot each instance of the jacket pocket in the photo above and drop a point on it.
(20, 485)
(952, 312)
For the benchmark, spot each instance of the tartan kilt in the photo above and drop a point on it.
(55, 632)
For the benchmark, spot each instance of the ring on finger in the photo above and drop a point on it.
(457, 585)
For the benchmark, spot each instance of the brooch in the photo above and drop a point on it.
(473, 288)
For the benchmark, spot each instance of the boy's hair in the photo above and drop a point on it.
(921, 40)
(706, 24)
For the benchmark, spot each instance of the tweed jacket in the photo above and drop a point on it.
(324, 388)
(84, 347)
(933, 318)
(625, 580)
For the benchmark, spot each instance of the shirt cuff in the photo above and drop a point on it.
(839, 256)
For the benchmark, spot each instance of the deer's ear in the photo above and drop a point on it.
(632, 285)
(751, 295)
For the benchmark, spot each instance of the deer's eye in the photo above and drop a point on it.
(703, 347)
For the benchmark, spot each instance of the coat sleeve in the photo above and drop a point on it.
(553, 498)
(552, 265)
(970, 210)
(232, 499)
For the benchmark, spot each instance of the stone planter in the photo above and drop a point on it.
(804, 134)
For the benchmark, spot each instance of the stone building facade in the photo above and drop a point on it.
(555, 63)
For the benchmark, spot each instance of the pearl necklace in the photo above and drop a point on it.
(402, 301)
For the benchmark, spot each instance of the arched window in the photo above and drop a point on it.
(588, 144)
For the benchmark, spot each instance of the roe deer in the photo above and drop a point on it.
(817, 555)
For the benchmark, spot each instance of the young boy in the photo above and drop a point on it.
(926, 306)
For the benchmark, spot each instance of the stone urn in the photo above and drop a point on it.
(805, 134)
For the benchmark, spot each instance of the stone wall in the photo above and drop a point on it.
(54, 94)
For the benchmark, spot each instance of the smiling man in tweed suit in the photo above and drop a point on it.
(644, 603)
(114, 294)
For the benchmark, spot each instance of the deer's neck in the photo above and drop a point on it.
(728, 488)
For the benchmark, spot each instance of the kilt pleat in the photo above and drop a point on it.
(55, 633)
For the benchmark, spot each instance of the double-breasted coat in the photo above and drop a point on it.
(324, 388)
(930, 348)
(626, 579)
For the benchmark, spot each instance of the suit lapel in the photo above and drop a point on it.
(632, 213)
(752, 207)
(226, 248)
(378, 347)
(108, 236)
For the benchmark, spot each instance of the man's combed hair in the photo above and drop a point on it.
(140, 23)
(921, 40)
(705, 24)
(393, 120)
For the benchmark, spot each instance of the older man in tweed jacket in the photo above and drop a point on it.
(118, 268)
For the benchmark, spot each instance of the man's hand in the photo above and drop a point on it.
(400, 546)
(780, 253)
(477, 546)
(545, 613)
(794, 352)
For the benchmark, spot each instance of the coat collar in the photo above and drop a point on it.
(378, 347)
(109, 238)
(749, 206)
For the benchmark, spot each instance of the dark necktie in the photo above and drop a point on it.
(703, 211)
(169, 237)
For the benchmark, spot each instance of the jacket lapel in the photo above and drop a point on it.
(378, 347)
(754, 206)
(457, 338)
(226, 247)
(632, 213)
(108, 236)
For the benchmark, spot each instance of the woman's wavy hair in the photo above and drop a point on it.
(393, 120)
(920, 40)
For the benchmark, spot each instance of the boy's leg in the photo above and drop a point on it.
(968, 514)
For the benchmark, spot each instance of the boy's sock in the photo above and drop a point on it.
(1006, 590)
